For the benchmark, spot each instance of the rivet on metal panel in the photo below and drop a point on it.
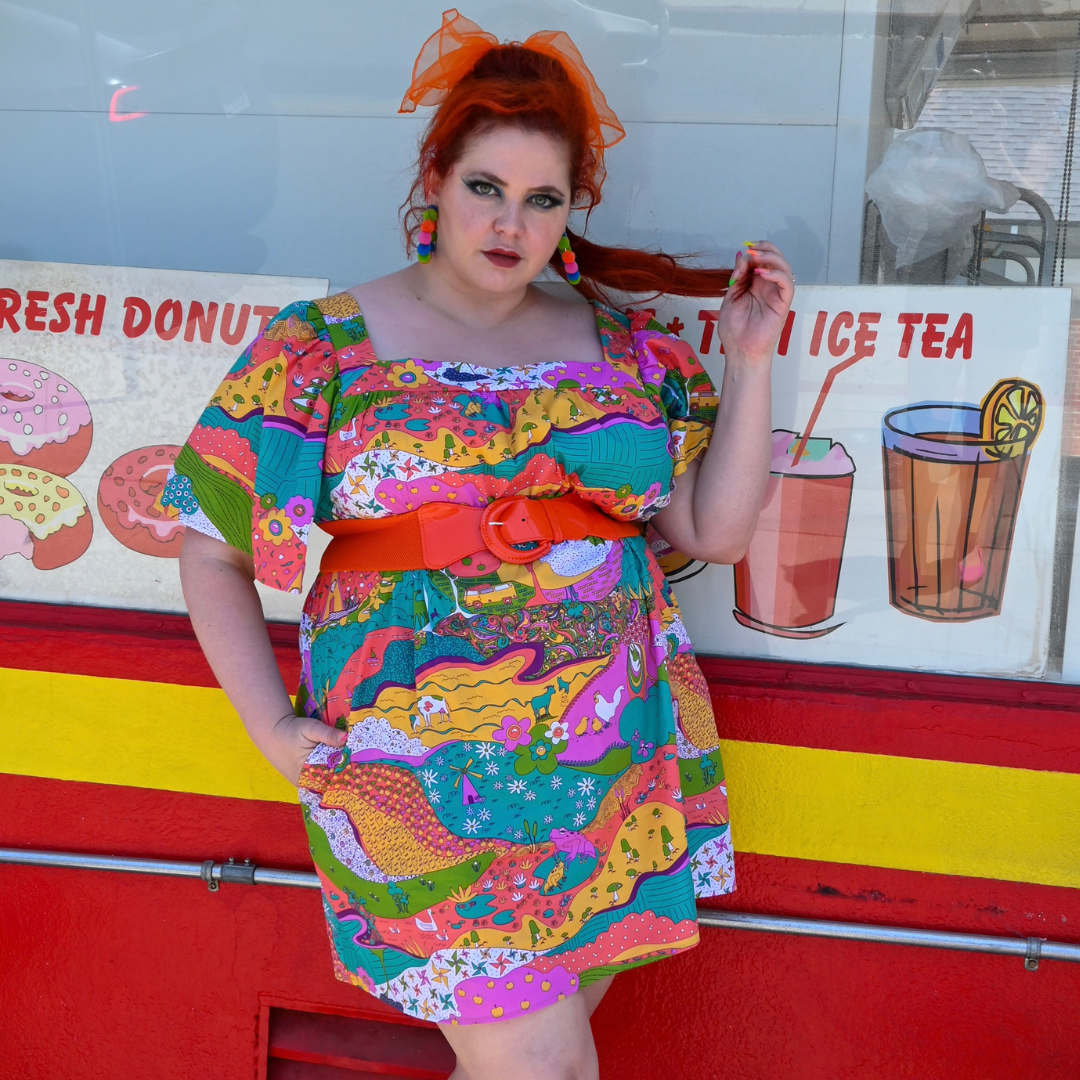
(1034, 951)
(207, 874)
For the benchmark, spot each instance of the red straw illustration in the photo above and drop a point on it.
(826, 386)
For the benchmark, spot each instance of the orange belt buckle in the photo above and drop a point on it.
(514, 521)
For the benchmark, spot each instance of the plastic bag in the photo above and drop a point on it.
(930, 189)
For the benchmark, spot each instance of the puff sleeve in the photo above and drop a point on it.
(251, 471)
(689, 399)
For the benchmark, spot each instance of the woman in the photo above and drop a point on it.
(506, 758)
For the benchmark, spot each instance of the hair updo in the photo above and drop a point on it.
(514, 85)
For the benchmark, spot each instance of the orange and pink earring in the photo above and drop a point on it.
(425, 244)
(570, 266)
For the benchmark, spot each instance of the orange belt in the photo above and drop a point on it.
(440, 534)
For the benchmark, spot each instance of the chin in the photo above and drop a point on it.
(502, 281)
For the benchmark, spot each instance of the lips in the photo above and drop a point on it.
(507, 260)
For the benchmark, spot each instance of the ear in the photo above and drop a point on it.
(432, 186)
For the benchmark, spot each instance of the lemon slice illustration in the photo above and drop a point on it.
(1011, 418)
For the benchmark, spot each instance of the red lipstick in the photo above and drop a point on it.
(503, 257)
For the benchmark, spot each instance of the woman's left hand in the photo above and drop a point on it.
(757, 303)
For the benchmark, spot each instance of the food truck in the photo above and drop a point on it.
(894, 665)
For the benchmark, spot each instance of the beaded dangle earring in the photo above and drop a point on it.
(426, 240)
(569, 259)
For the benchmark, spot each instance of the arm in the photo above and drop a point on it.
(715, 503)
(219, 587)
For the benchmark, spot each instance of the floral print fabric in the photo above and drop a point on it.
(531, 795)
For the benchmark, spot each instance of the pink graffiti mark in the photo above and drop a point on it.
(115, 115)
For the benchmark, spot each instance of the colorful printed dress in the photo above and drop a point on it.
(531, 796)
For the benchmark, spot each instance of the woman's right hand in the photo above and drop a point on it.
(288, 743)
(227, 615)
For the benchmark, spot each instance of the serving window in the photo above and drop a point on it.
(914, 160)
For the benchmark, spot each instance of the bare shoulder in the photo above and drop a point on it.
(560, 297)
(381, 290)
(559, 308)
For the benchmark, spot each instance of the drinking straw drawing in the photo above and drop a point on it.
(786, 583)
(823, 393)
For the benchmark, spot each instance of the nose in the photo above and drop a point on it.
(511, 221)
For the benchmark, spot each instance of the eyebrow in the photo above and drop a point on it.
(547, 189)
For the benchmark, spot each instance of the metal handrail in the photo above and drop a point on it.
(1031, 950)
(213, 873)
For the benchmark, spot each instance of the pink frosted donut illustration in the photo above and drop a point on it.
(129, 502)
(44, 421)
(43, 517)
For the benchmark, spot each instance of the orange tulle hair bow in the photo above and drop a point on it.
(454, 49)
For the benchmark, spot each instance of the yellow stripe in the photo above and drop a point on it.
(138, 734)
(908, 813)
(867, 809)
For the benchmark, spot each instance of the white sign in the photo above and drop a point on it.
(909, 520)
(103, 373)
(910, 516)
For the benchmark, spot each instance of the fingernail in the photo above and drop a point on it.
(759, 270)
(749, 243)
(731, 281)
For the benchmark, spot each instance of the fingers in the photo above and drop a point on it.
(781, 279)
(771, 266)
(315, 731)
(762, 253)
(763, 260)
(741, 276)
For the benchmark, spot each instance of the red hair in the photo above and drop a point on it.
(516, 85)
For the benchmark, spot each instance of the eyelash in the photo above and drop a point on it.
(476, 185)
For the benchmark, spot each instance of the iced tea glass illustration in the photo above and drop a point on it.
(954, 475)
(786, 582)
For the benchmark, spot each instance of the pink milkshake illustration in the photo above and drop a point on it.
(786, 582)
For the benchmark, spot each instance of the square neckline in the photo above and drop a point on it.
(596, 305)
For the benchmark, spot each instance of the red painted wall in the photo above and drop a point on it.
(119, 976)
(107, 975)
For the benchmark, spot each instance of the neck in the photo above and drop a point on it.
(437, 284)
